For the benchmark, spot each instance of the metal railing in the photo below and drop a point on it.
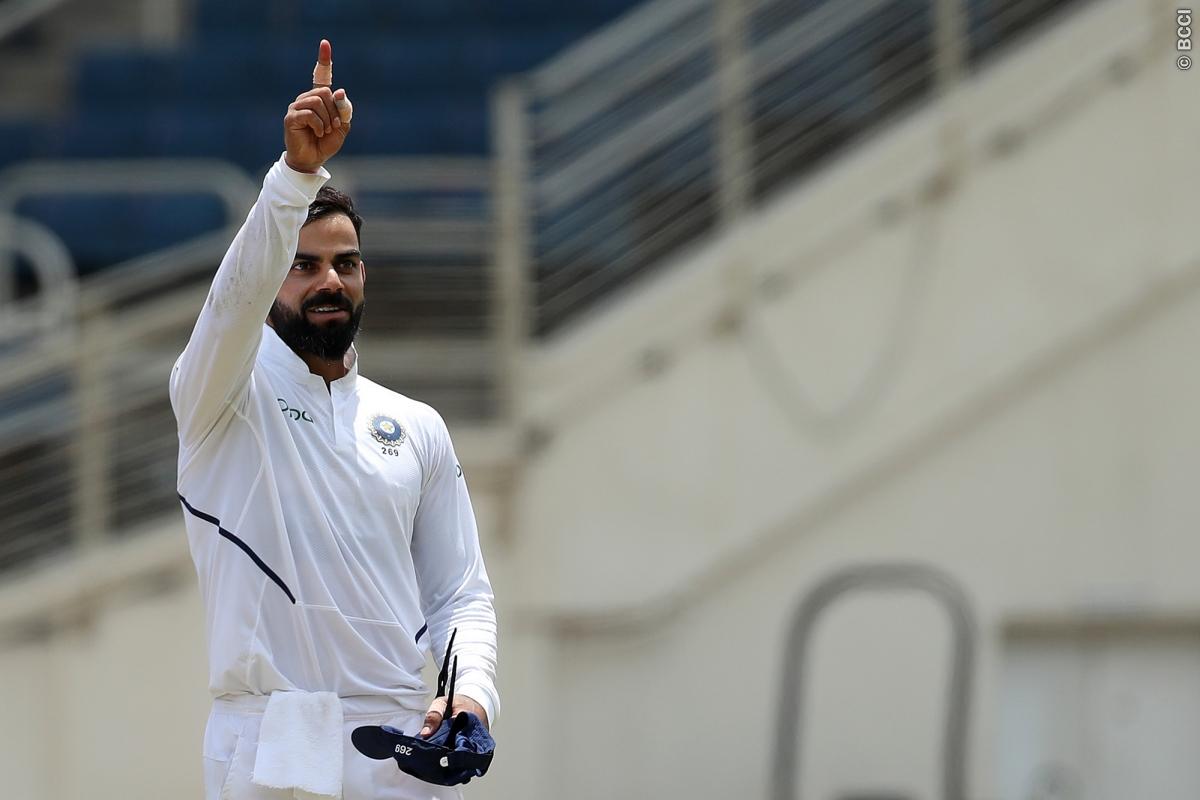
(16, 14)
(52, 305)
(141, 177)
(611, 159)
(941, 587)
(623, 151)
(87, 437)
(160, 20)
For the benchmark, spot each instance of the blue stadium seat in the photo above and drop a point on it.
(225, 14)
(318, 17)
(462, 60)
(126, 73)
(449, 125)
(419, 72)
(252, 135)
(19, 139)
(249, 135)
(97, 133)
(103, 229)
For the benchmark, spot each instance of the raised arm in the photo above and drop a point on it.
(213, 371)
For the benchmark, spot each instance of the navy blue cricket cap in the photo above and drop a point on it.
(460, 749)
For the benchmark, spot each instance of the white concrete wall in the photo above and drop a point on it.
(1079, 494)
(1027, 423)
(110, 706)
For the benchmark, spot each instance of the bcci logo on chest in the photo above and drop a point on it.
(388, 432)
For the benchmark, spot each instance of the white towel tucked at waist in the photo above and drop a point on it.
(300, 744)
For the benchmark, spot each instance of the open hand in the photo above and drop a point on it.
(316, 124)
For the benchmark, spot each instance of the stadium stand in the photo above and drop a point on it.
(420, 74)
(624, 164)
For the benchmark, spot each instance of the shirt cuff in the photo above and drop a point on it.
(298, 187)
(485, 696)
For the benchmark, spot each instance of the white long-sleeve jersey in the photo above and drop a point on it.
(331, 528)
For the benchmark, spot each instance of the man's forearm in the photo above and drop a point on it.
(221, 351)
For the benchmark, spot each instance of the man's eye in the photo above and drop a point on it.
(300, 265)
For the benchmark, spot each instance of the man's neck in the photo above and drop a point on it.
(329, 370)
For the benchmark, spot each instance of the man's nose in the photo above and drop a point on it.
(330, 281)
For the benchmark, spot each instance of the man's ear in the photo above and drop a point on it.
(362, 266)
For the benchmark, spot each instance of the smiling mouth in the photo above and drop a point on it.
(327, 311)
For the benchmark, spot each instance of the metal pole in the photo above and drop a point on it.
(93, 440)
(512, 259)
(950, 61)
(162, 22)
(733, 136)
(8, 262)
(950, 39)
(16, 14)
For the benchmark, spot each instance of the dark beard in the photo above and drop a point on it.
(327, 342)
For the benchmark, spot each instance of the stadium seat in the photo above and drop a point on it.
(19, 139)
(308, 16)
(419, 72)
(104, 229)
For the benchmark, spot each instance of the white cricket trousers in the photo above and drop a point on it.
(231, 743)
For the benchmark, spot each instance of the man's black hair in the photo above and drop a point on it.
(334, 201)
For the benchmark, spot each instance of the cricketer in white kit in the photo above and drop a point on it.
(328, 517)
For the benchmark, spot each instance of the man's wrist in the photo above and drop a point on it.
(483, 698)
(300, 187)
(305, 168)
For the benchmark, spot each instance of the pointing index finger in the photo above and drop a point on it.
(323, 72)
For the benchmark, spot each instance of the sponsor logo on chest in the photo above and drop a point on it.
(295, 413)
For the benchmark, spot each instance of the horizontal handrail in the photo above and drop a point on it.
(16, 14)
(129, 176)
(585, 58)
(407, 173)
(119, 176)
(162, 269)
(596, 165)
(88, 405)
(153, 272)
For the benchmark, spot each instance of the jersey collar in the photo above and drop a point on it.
(278, 354)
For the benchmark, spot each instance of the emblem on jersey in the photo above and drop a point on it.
(387, 431)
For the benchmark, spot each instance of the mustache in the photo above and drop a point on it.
(339, 301)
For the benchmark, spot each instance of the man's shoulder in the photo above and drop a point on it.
(414, 411)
